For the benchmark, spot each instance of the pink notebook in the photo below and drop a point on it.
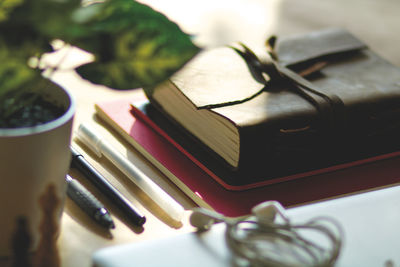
(207, 190)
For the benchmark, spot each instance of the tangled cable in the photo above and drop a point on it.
(268, 238)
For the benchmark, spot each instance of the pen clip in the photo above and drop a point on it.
(89, 138)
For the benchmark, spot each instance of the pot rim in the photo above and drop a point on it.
(23, 131)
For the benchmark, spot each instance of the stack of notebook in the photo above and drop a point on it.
(205, 188)
(320, 119)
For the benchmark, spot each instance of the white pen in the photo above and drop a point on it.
(101, 147)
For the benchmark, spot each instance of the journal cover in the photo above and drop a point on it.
(206, 189)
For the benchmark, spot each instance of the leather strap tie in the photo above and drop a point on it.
(269, 72)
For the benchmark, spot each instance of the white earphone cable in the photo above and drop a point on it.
(268, 238)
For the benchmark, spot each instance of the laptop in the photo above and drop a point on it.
(370, 220)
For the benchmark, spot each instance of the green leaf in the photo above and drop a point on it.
(53, 18)
(134, 45)
(14, 70)
(16, 78)
(6, 6)
(29, 26)
(14, 75)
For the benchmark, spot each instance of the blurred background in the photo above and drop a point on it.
(218, 22)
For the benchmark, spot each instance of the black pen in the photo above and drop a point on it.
(121, 202)
(88, 203)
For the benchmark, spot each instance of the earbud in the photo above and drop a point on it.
(203, 219)
(266, 212)
(251, 240)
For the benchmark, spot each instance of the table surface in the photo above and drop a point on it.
(214, 23)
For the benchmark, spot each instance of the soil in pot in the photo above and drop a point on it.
(37, 111)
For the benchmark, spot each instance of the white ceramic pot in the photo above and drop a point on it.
(33, 165)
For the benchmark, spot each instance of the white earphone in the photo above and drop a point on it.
(267, 237)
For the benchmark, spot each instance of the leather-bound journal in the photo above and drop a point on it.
(311, 101)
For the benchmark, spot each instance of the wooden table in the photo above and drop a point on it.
(215, 23)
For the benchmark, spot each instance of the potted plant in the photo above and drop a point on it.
(133, 46)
